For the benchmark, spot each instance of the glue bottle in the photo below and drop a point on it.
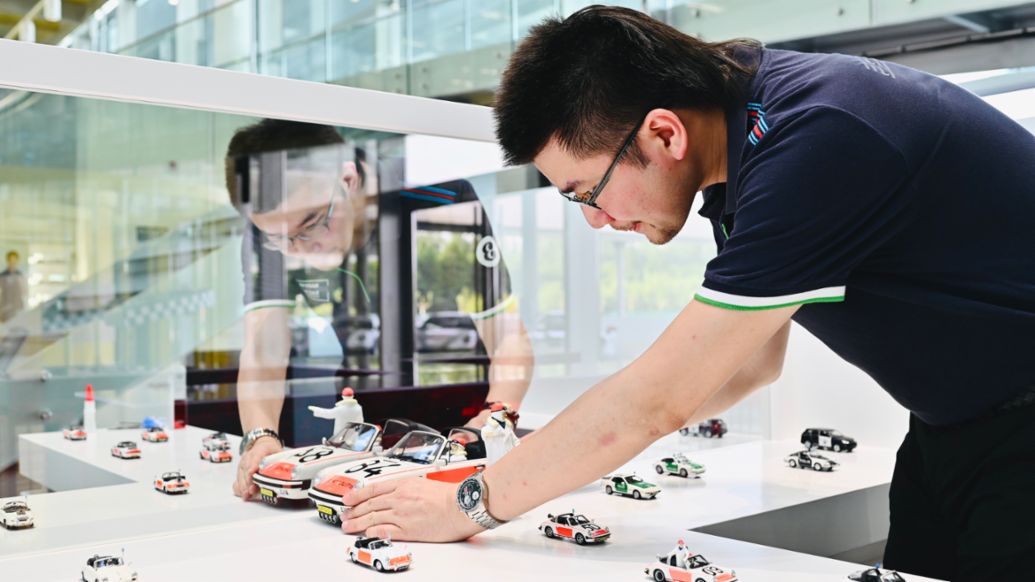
(89, 412)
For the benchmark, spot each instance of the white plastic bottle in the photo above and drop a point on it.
(89, 412)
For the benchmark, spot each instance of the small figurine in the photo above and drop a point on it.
(808, 459)
(171, 483)
(155, 434)
(629, 485)
(216, 451)
(15, 514)
(678, 464)
(574, 526)
(126, 450)
(108, 569)
(345, 411)
(713, 427)
(74, 433)
(498, 433)
(682, 564)
(380, 554)
(876, 575)
(827, 438)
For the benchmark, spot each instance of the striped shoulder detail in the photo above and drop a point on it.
(269, 303)
(756, 118)
(746, 303)
(431, 194)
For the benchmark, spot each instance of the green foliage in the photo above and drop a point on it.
(445, 268)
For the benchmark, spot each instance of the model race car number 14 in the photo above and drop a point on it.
(313, 454)
(375, 467)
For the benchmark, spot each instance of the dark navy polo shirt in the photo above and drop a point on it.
(899, 210)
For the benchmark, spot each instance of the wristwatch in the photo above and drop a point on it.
(470, 496)
(249, 438)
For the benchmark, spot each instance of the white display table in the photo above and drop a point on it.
(210, 535)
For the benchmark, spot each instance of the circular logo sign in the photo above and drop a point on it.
(488, 252)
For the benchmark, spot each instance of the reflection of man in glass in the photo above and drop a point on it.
(13, 288)
(313, 205)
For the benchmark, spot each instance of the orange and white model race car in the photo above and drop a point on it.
(380, 554)
(287, 475)
(420, 453)
(155, 434)
(574, 526)
(171, 483)
(74, 433)
(683, 565)
(126, 450)
(216, 451)
(216, 437)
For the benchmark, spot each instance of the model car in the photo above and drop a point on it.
(574, 526)
(363, 332)
(678, 464)
(827, 438)
(216, 451)
(713, 427)
(172, 482)
(74, 433)
(216, 437)
(107, 569)
(15, 514)
(420, 453)
(876, 575)
(810, 460)
(630, 485)
(287, 475)
(380, 554)
(682, 564)
(126, 450)
(447, 331)
(155, 434)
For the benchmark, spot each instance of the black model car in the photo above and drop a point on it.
(827, 438)
(876, 575)
(713, 427)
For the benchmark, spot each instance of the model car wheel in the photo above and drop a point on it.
(659, 576)
(379, 566)
(636, 493)
(549, 532)
(808, 444)
(352, 556)
(580, 539)
(659, 470)
(682, 473)
(708, 433)
(200, 456)
(817, 467)
(609, 490)
(684, 432)
(792, 464)
(837, 448)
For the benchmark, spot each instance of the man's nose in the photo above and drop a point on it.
(596, 217)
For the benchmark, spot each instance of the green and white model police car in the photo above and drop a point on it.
(678, 464)
(630, 485)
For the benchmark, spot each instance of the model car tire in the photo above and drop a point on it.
(682, 473)
(580, 539)
(808, 444)
(636, 494)
(817, 467)
(659, 470)
(658, 576)
(352, 556)
(549, 532)
(708, 433)
(837, 448)
(792, 463)
(609, 490)
(379, 566)
(684, 432)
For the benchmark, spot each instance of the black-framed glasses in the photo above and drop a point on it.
(589, 198)
(276, 242)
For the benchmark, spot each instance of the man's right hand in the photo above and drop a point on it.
(248, 464)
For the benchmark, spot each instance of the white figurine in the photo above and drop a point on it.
(345, 411)
(498, 434)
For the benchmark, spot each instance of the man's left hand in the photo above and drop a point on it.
(413, 509)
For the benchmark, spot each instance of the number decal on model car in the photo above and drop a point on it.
(712, 570)
(374, 467)
(309, 454)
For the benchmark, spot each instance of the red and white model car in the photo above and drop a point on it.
(216, 437)
(287, 475)
(574, 526)
(420, 453)
(380, 554)
(74, 433)
(171, 483)
(155, 434)
(126, 450)
(216, 451)
(681, 564)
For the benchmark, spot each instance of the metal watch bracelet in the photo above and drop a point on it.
(249, 438)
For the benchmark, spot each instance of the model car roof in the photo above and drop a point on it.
(126, 444)
(173, 475)
(16, 503)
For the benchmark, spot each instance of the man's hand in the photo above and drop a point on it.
(248, 464)
(408, 510)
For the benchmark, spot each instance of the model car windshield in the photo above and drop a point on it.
(378, 545)
(579, 519)
(698, 562)
(171, 476)
(15, 506)
(418, 447)
(106, 562)
(634, 480)
(354, 437)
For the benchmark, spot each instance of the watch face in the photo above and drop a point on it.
(469, 494)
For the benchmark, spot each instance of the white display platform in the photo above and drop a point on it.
(210, 535)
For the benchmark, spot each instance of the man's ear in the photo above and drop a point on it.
(666, 133)
(350, 177)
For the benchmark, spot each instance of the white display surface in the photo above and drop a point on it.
(210, 535)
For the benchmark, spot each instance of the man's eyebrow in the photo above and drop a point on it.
(569, 187)
(308, 218)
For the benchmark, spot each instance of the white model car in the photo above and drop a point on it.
(126, 450)
(216, 437)
(216, 451)
(380, 554)
(420, 453)
(629, 485)
(15, 514)
(171, 483)
(155, 434)
(287, 475)
(810, 460)
(682, 564)
(876, 575)
(74, 433)
(108, 569)
(574, 526)
(678, 464)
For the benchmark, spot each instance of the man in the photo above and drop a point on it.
(888, 212)
(313, 201)
(13, 288)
